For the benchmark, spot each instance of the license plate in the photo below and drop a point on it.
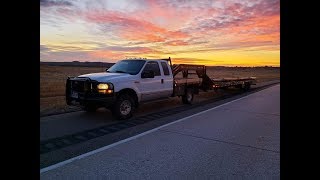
(74, 94)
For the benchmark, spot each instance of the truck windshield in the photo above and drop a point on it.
(132, 67)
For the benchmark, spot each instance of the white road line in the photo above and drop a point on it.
(54, 166)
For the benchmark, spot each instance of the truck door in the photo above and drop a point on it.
(167, 79)
(151, 88)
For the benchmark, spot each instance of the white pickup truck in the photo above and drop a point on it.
(133, 81)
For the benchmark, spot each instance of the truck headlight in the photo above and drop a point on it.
(103, 86)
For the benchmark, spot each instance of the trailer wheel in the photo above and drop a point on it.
(247, 86)
(188, 97)
(123, 107)
(240, 86)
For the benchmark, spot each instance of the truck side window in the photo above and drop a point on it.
(154, 66)
(165, 68)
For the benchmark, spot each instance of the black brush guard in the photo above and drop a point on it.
(87, 92)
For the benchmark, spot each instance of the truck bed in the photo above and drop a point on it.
(179, 81)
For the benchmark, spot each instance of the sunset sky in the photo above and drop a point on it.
(213, 32)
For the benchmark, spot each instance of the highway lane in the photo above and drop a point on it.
(69, 123)
(240, 139)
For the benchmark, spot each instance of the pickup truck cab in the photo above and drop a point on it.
(122, 87)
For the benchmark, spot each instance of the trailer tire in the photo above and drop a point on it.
(123, 107)
(247, 86)
(240, 86)
(188, 97)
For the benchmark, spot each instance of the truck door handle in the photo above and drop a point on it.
(161, 81)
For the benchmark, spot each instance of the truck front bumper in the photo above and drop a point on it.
(96, 100)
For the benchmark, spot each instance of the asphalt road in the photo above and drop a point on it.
(239, 139)
(68, 135)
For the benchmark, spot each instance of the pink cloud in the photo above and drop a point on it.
(176, 43)
(106, 54)
(133, 29)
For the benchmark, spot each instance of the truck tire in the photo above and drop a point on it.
(123, 107)
(188, 97)
(90, 108)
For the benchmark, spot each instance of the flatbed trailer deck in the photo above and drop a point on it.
(203, 81)
(244, 83)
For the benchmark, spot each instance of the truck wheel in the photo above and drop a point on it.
(188, 97)
(123, 107)
(90, 108)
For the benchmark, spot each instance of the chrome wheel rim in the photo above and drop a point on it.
(125, 107)
(189, 97)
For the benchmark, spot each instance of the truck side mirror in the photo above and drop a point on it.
(147, 74)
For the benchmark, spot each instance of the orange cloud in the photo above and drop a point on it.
(106, 54)
(120, 53)
(176, 43)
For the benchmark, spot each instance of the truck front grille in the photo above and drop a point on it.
(80, 86)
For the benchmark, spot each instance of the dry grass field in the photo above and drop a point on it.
(52, 85)
(262, 74)
(53, 78)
